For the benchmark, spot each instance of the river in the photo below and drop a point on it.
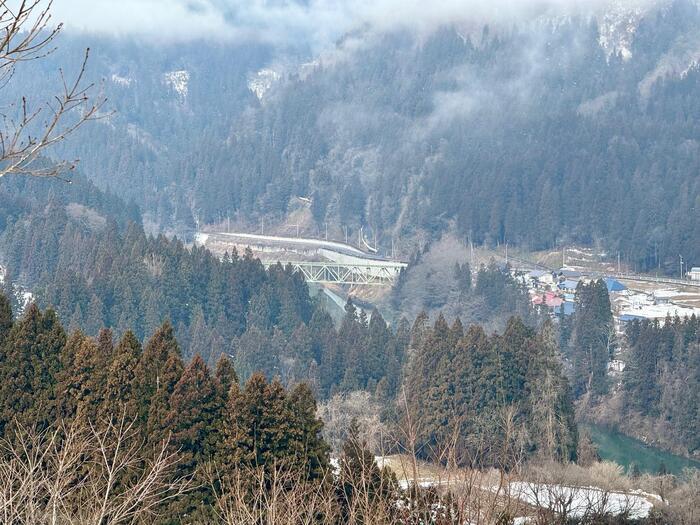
(626, 451)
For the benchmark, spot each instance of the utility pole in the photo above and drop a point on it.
(563, 256)
(680, 257)
(326, 224)
(618, 262)
(345, 228)
(262, 225)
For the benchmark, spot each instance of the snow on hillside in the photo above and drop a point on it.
(23, 297)
(262, 82)
(179, 81)
(122, 81)
(617, 27)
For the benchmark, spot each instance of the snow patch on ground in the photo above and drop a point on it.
(23, 297)
(178, 81)
(694, 64)
(122, 81)
(617, 28)
(262, 81)
(580, 501)
(200, 238)
(26, 298)
(595, 105)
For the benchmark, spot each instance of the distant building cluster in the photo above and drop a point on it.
(555, 291)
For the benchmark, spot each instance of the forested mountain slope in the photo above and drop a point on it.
(167, 105)
(84, 253)
(533, 136)
(555, 130)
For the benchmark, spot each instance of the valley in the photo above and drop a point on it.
(350, 263)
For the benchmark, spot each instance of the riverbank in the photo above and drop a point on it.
(628, 452)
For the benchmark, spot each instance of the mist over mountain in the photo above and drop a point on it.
(509, 333)
(547, 123)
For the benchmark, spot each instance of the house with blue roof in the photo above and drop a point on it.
(567, 308)
(569, 285)
(614, 285)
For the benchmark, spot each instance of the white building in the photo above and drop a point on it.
(694, 273)
(656, 312)
(664, 296)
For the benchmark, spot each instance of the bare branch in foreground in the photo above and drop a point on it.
(85, 476)
(27, 130)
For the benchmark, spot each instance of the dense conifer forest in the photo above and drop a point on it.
(534, 134)
(193, 431)
(490, 393)
(145, 380)
(657, 398)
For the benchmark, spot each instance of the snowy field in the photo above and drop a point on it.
(578, 502)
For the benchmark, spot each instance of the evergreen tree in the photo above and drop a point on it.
(158, 370)
(428, 384)
(255, 352)
(105, 344)
(91, 368)
(379, 352)
(257, 427)
(421, 327)
(5, 317)
(297, 357)
(159, 407)
(463, 276)
(307, 445)
(592, 339)
(121, 396)
(69, 379)
(352, 340)
(29, 370)
(267, 427)
(195, 406)
(458, 384)
(661, 382)
(94, 319)
(553, 426)
(226, 375)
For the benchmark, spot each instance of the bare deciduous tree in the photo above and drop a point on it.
(84, 476)
(28, 127)
(271, 495)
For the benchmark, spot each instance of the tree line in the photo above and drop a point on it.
(111, 431)
(660, 390)
(486, 394)
(184, 415)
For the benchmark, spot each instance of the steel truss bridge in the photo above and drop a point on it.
(367, 274)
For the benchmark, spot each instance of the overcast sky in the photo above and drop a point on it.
(315, 22)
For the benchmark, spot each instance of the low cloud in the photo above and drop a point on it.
(312, 23)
